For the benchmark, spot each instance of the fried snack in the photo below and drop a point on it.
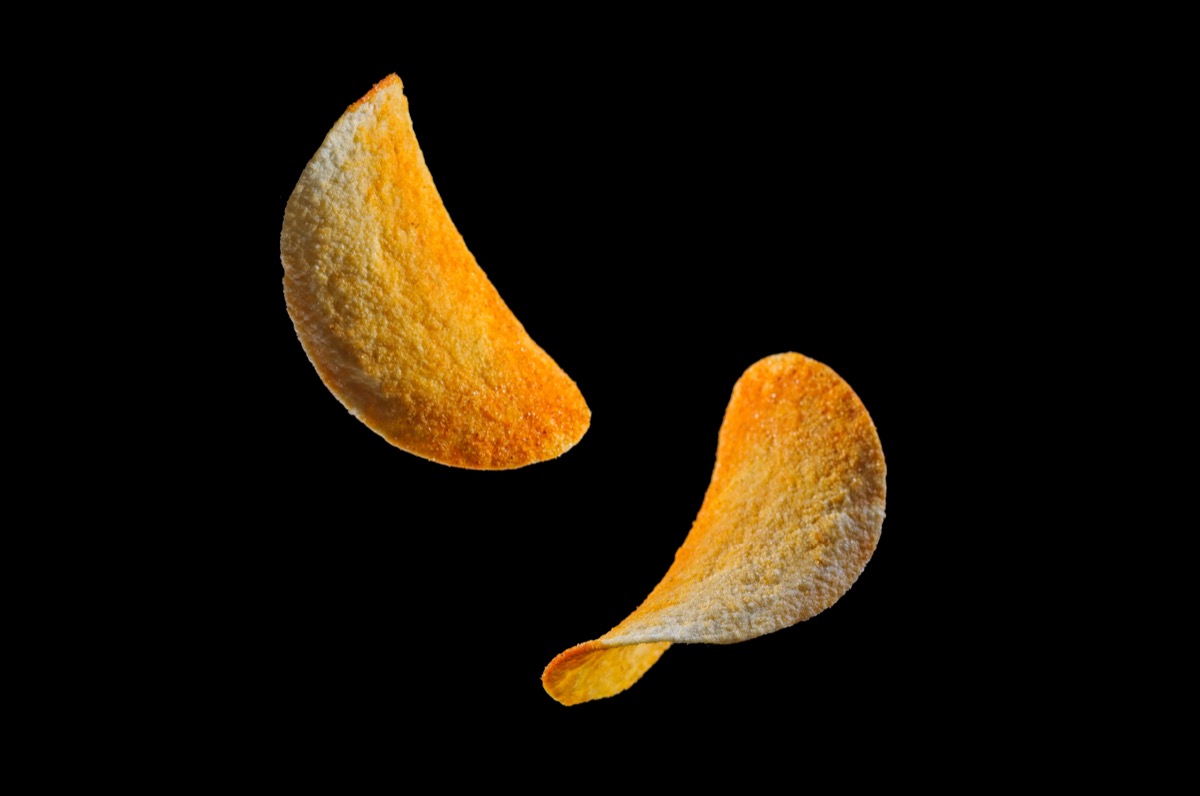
(400, 322)
(791, 517)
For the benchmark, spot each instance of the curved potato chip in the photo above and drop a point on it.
(791, 517)
(398, 319)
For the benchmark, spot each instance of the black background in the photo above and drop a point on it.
(657, 226)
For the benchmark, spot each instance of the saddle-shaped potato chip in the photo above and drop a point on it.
(791, 517)
(398, 319)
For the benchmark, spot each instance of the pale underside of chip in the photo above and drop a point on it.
(791, 517)
(398, 319)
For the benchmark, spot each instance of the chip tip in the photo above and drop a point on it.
(597, 670)
(387, 82)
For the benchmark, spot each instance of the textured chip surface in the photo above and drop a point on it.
(791, 517)
(396, 316)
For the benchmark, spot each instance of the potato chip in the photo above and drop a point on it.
(396, 316)
(791, 517)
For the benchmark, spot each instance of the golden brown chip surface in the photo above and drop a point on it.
(791, 517)
(399, 321)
